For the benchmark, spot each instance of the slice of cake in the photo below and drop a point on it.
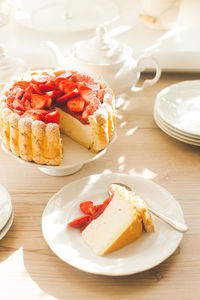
(35, 108)
(119, 221)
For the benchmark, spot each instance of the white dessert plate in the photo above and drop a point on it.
(75, 156)
(5, 207)
(179, 106)
(175, 135)
(175, 130)
(6, 228)
(66, 16)
(145, 253)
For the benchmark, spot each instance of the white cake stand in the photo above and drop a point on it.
(75, 157)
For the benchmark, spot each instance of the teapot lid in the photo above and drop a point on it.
(100, 50)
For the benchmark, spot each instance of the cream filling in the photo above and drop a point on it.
(105, 230)
(81, 133)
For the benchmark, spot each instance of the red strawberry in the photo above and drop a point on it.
(100, 94)
(36, 89)
(19, 93)
(85, 207)
(76, 104)
(15, 92)
(87, 94)
(9, 101)
(36, 78)
(107, 201)
(41, 111)
(79, 222)
(52, 117)
(17, 104)
(28, 93)
(39, 101)
(95, 208)
(68, 96)
(19, 112)
(84, 78)
(35, 114)
(22, 84)
(54, 94)
(63, 77)
(48, 102)
(90, 109)
(95, 215)
(49, 86)
(27, 105)
(67, 86)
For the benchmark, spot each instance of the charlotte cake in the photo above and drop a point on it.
(35, 108)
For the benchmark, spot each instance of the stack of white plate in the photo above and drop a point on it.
(177, 111)
(6, 212)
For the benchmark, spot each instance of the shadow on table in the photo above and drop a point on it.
(76, 284)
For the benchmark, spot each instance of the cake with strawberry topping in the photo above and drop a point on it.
(115, 223)
(35, 108)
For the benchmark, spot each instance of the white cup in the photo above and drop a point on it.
(159, 14)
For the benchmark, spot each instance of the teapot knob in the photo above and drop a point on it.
(101, 31)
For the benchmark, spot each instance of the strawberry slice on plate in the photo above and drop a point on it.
(79, 222)
(76, 104)
(93, 209)
(85, 207)
(53, 117)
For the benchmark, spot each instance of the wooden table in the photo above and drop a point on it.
(30, 270)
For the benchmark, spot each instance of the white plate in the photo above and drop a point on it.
(7, 226)
(179, 106)
(75, 156)
(5, 206)
(50, 16)
(175, 130)
(194, 138)
(148, 251)
(175, 135)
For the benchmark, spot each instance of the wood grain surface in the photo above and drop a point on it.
(30, 270)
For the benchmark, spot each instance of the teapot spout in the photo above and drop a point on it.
(59, 58)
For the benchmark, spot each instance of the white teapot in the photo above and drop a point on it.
(109, 60)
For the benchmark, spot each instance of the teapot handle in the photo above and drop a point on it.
(147, 82)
